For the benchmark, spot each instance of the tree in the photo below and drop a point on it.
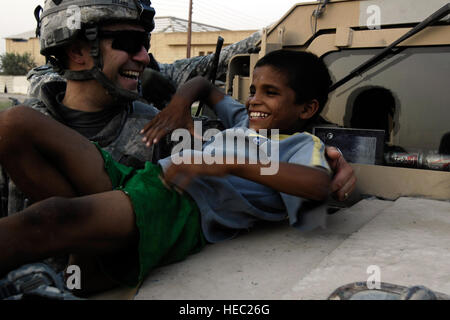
(15, 64)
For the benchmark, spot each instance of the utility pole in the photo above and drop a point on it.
(189, 36)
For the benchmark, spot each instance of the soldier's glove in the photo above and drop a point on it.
(157, 88)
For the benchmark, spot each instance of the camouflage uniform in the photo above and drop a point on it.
(39, 76)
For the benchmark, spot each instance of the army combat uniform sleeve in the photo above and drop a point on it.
(182, 70)
(39, 76)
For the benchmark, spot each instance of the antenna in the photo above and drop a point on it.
(189, 32)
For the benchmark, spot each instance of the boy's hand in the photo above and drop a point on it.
(176, 115)
(181, 175)
(344, 180)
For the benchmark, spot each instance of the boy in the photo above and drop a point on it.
(141, 223)
(289, 90)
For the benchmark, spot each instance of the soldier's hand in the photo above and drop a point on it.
(176, 115)
(344, 180)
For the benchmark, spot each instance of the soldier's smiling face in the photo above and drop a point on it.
(121, 67)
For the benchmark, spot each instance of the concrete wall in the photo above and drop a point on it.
(14, 84)
(168, 47)
(32, 46)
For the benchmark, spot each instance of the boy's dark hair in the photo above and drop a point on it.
(307, 74)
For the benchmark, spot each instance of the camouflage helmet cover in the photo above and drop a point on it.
(62, 20)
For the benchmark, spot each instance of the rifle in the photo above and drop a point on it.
(213, 69)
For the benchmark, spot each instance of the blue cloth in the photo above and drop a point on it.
(229, 204)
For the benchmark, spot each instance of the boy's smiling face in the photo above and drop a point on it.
(271, 104)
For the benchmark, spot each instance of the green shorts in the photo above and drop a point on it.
(168, 223)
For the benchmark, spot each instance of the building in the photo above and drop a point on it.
(25, 42)
(168, 43)
(169, 39)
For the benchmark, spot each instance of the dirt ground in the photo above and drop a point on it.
(5, 102)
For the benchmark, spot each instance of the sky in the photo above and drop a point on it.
(16, 16)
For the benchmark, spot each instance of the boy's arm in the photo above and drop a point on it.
(177, 114)
(298, 180)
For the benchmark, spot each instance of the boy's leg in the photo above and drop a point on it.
(45, 158)
(90, 225)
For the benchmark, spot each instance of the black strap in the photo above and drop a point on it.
(78, 75)
(97, 74)
(37, 14)
(113, 90)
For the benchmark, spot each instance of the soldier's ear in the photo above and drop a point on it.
(77, 54)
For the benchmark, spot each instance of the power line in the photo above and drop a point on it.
(203, 11)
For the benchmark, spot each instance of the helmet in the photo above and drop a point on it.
(62, 20)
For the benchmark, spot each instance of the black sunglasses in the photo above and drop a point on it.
(130, 41)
